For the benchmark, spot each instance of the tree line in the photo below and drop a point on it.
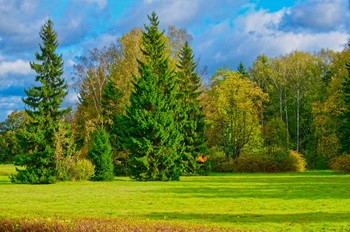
(144, 111)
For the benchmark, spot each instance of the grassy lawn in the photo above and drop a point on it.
(311, 201)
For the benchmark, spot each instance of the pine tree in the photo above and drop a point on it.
(344, 136)
(191, 117)
(241, 69)
(149, 129)
(101, 156)
(45, 112)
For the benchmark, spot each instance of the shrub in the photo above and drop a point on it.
(251, 163)
(83, 169)
(100, 154)
(33, 176)
(217, 159)
(341, 164)
(293, 162)
(71, 169)
(298, 161)
(279, 160)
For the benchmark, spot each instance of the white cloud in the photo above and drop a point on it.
(102, 4)
(103, 40)
(317, 15)
(19, 66)
(258, 32)
(8, 103)
(177, 12)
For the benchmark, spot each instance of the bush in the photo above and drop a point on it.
(251, 163)
(100, 154)
(279, 160)
(34, 176)
(217, 160)
(293, 162)
(71, 169)
(298, 161)
(341, 164)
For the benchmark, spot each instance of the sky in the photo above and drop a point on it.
(225, 32)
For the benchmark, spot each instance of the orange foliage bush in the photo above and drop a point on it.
(341, 164)
(202, 159)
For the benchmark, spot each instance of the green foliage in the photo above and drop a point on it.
(10, 132)
(232, 115)
(276, 136)
(341, 164)
(241, 69)
(120, 164)
(191, 117)
(217, 160)
(100, 154)
(34, 175)
(70, 169)
(149, 131)
(344, 130)
(45, 112)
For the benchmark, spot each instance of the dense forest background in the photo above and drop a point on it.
(145, 111)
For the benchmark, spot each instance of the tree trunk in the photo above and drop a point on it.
(287, 124)
(281, 104)
(298, 118)
(224, 141)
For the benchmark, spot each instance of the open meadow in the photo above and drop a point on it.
(310, 201)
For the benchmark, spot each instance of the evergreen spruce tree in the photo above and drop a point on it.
(44, 109)
(344, 136)
(190, 117)
(101, 156)
(241, 69)
(149, 129)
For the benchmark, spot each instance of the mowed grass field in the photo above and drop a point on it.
(310, 201)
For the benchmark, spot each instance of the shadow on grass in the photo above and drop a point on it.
(302, 218)
(281, 191)
(288, 187)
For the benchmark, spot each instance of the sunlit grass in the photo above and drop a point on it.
(311, 201)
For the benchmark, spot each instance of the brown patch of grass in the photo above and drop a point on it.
(103, 225)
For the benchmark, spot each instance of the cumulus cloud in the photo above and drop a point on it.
(19, 66)
(259, 32)
(181, 13)
(10, 102)
(224, 32)
(317, 16)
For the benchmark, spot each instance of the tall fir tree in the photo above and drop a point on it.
(43, 103)
(191, 117)
(149, 129)
(344, 135)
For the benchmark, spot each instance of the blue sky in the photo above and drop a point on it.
(224, 32)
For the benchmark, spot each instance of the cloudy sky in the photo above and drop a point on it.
(224, 32)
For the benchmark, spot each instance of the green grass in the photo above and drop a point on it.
(311, 201)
